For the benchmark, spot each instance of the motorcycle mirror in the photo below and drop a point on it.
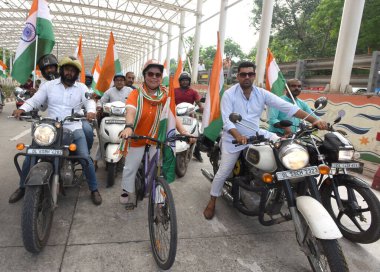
(19, 91)
(320, 103)
(235, 117)
(286, 123)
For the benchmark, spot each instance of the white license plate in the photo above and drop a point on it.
(304, 172)
(187, 121)
(118, 122)
(345, 165)
(49, 152)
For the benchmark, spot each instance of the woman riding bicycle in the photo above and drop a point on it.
(144, 108)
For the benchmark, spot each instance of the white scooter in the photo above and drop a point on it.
(184, 151)
(109, 139)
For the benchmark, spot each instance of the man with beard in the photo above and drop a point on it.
(275, 116)
(189, 95)
(249, 101)
(62, 95)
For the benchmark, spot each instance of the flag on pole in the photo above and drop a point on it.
(3, 69)
(79, 55)
(165, 76)
(274, 80)
(37, 25)
(95, 75)
(166, 129)
(177, 74)
(212, 119)
(111, 66)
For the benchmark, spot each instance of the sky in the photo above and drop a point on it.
(237, 25)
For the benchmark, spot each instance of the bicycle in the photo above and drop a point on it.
(161, 208)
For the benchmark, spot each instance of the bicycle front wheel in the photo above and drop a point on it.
(162, 224)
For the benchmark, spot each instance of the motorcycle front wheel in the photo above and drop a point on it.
(359, 220)
(111, 173)
(37, 217)
(323, 255)
(181, 164)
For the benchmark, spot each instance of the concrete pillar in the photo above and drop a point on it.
(180, 38)
(169, 44)
(160, 41)
(222, 24)
(10, 62)
(152, 46)
(261, 55)
(194, 75)
(345, 49)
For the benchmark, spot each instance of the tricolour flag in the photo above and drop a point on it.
(212, 119)
(79, 55)
(165, 76)
(177, 74)
(3, 69)
(111, 66)
(38, 24)
(95, 74)
(274, 80)
(166, 129)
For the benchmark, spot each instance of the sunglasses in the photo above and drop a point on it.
(244, 75)
(294, 86)
(151, 74)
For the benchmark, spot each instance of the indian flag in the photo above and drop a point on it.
(79, 55)
(274, 80)
(177, 74)
(38, 30)
(3, 69)
(166, 129)
(95, 73)
(111, 66)
(165, 76)
(212, 119)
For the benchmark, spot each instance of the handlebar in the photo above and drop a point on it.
(252, 140)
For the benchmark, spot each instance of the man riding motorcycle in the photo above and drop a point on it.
(61, 96)
(129, 80)
(249, 101)
(189, 95)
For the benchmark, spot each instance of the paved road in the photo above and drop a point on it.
(108, 238)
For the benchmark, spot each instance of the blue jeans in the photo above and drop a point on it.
(82, 150)
(87, 129)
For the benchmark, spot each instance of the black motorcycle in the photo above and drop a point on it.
(52, 167)
(348, 199)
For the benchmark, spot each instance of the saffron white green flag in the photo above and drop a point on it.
(95, 75)
(3, 69)
(165, 76)
(167, 129)
(274, 80)
(37, 25)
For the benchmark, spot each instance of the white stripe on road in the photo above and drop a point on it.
(18, 136)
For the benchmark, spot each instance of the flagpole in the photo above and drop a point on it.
(35, 63)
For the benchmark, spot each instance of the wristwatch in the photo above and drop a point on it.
(129, 126)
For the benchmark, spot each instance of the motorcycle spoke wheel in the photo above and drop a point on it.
(359, 218)
(323, 255)
(37, 216)
(162, 224)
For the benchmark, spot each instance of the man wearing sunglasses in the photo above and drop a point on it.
(249, 101)
(275, 116)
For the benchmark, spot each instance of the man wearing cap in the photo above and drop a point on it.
(63, 95)
(119, 92)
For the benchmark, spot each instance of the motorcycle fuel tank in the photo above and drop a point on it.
(261, 157)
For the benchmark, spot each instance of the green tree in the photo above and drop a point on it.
(208, 55)
(233, 49)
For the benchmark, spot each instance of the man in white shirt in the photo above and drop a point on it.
(201, 66)
(62, 95)
(119, 92)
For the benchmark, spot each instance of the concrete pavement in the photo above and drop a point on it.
(85, 237)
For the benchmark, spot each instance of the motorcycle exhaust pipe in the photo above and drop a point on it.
(207, 174)
(227, 195)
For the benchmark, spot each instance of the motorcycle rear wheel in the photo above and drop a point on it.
(181, 164)
(36, 218)
(354, 210)
(323, 255)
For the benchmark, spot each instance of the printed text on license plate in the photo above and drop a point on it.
(52, 152)
(308, 171)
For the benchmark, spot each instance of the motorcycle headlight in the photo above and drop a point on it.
(118, 111)
(346, 154)
(44, 134)
(294, 156)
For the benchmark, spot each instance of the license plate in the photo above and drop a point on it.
(304, 172)
(345, 165)
(118, 122)
(187, 121)
(48, 152)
